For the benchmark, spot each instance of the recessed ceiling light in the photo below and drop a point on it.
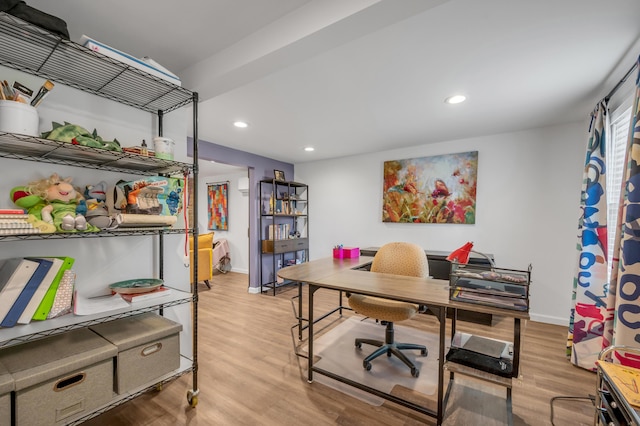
(309, 149)
(241, 124)
(455, 99)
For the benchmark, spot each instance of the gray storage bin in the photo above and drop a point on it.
(6, 386)
(60, 378)
(148, 348)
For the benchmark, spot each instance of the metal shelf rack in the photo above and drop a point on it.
(28, 48)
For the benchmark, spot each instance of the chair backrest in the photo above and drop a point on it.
(205, 241)
(401, 259)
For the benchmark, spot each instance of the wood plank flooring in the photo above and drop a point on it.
(249, 374)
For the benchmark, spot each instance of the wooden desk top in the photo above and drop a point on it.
(339, 274)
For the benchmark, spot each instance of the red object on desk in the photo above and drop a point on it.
(346, 253)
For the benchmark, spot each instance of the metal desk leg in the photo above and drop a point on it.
(442, 317)
(300, 318)
(312, 290)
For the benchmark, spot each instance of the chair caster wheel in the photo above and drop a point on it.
(423, 352)
(358, 345)
(366, 365)
(415, 372)
(389, 354)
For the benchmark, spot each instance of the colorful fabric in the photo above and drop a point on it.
(590, 324)
(626, 269)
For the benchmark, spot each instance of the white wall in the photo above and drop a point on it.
(238, 234)
(527, 212)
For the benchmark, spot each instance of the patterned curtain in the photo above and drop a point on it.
(591, 321)
(606, 313)
(626, 268)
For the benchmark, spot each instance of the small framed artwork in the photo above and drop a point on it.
(278, 174)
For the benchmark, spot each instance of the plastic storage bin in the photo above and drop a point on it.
(148, 348)
(60, 378)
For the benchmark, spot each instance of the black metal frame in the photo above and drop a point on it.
(28, 48)
(265, 285)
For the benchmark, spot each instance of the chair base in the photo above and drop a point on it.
(390, 347)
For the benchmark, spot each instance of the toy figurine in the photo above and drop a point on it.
(54, 201)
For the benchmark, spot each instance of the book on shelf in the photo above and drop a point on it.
(14, 276)
(13, 216)
(19, 231)
(15, 224)
(12, 211)
(279, 232)
(40, 292)
(63, 302)
(47, 301)
(27, 292)
(160, 292)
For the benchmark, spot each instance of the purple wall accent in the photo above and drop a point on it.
(259, 168)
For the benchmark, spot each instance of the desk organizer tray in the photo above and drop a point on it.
(490, 286)
(148, 348)
(60, 378)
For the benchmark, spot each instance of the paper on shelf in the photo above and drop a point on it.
(83, 305)
(142, 65)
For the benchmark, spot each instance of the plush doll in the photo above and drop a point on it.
(97, 213)
(54, 201)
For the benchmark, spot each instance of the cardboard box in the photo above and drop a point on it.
(60, 378)
(148, 348)
(351, 252)
(6, 386)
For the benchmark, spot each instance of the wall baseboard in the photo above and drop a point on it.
(550, 319)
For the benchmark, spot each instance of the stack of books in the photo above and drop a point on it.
(15, 222)
(28, 288)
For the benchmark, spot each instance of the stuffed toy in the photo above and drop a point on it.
(97, 213)
(54, 201)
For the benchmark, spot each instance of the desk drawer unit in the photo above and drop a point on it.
(148, 348)
(60, 378)
(284, 246)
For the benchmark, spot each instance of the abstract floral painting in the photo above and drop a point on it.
(218, 206)
(438, 189)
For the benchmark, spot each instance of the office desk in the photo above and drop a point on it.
(339, 275)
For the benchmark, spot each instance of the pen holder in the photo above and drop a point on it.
(338, 253)
(16, 117)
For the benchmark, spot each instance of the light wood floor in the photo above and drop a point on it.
(249, 374)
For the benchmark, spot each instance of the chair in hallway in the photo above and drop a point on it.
(205, 257)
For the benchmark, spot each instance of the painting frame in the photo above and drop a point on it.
(218, 206)
(435, 189)
(278, 175)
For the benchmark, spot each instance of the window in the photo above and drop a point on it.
(616, 148)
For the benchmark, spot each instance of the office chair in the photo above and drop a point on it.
(400, 259)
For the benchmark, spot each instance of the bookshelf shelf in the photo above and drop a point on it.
(284, 229)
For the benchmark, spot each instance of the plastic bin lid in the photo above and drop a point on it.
(129, 332)
(41, 360)
(7, 383)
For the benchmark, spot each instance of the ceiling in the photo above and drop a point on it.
(355, 76)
